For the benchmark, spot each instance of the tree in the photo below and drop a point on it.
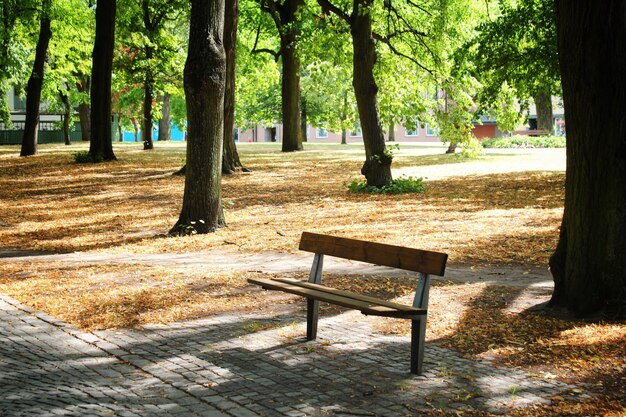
(589, 264)
(230, 158)
(204, 80)
(377, 166)
(287, 18)
(35, 83)
(101, 145)
(518, 47)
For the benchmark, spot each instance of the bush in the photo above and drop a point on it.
(402, 185)
(525, 142)
(84, 157)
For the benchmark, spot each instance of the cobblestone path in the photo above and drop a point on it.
(226, 366)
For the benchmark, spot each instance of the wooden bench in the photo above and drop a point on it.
(423, 262)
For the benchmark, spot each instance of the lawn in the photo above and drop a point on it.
(500, 210)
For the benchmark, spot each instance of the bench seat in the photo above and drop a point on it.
(367, 305)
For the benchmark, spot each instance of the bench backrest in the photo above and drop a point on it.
(376, 253)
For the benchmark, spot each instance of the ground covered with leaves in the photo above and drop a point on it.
(503, 209)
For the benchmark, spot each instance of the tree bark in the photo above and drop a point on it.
(101, 145)
(392, 132)
(204, 83)
(83, 86)
(543, 105)
(35, 82)
(290, 82)
(230, 159)
(135, 123)
(67, 115)
(451, 147)
(589, 263)
(165, 124)
(303, 120)
(377, 166)
(148, 88)
(344, 118)
(120, 132)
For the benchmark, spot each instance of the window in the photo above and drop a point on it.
(413, 130)
(320, 132)
(430, 131)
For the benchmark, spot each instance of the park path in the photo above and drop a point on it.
(280, 262)
(243, 364)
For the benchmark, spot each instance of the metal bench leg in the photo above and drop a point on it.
(313, 306)
(418, 339)
(312, 315)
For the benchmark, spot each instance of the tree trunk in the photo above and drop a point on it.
(392, 131)
(204, 82)
(290, 83)
(230, 159)
(67, 115)
(543, 104)
(165, 124)
(148, 89)
(101, 145)
(451, 147)
(303, 120)
(377, 166)
(589, 263)
(135, 123)
(344, 118)
(120, 132)
(35, 82)
(83, 86)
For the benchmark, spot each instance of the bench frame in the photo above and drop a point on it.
(424, 263)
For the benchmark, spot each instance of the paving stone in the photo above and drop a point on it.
(200, 368)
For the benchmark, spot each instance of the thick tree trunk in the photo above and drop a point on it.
(83, 86)
(230, 159)
(290, 83)
(392, 132)
(67, 115)
(377, 166)
(451, 147)
(204, 81)
(543, 104)
(589, 264)
(101, 145)
(165, 124)
(35, 82)
(148, 89)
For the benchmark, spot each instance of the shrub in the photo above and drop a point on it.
(402, 185)
(525, 142)
(84, 157)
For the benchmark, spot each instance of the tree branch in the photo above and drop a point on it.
(393, 49)
(275, 54)
(327, 6)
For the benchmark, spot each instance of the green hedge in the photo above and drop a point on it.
(525, 142)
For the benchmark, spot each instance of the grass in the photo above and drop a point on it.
(502, 209)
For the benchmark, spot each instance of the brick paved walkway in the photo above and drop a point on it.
(221, 366)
